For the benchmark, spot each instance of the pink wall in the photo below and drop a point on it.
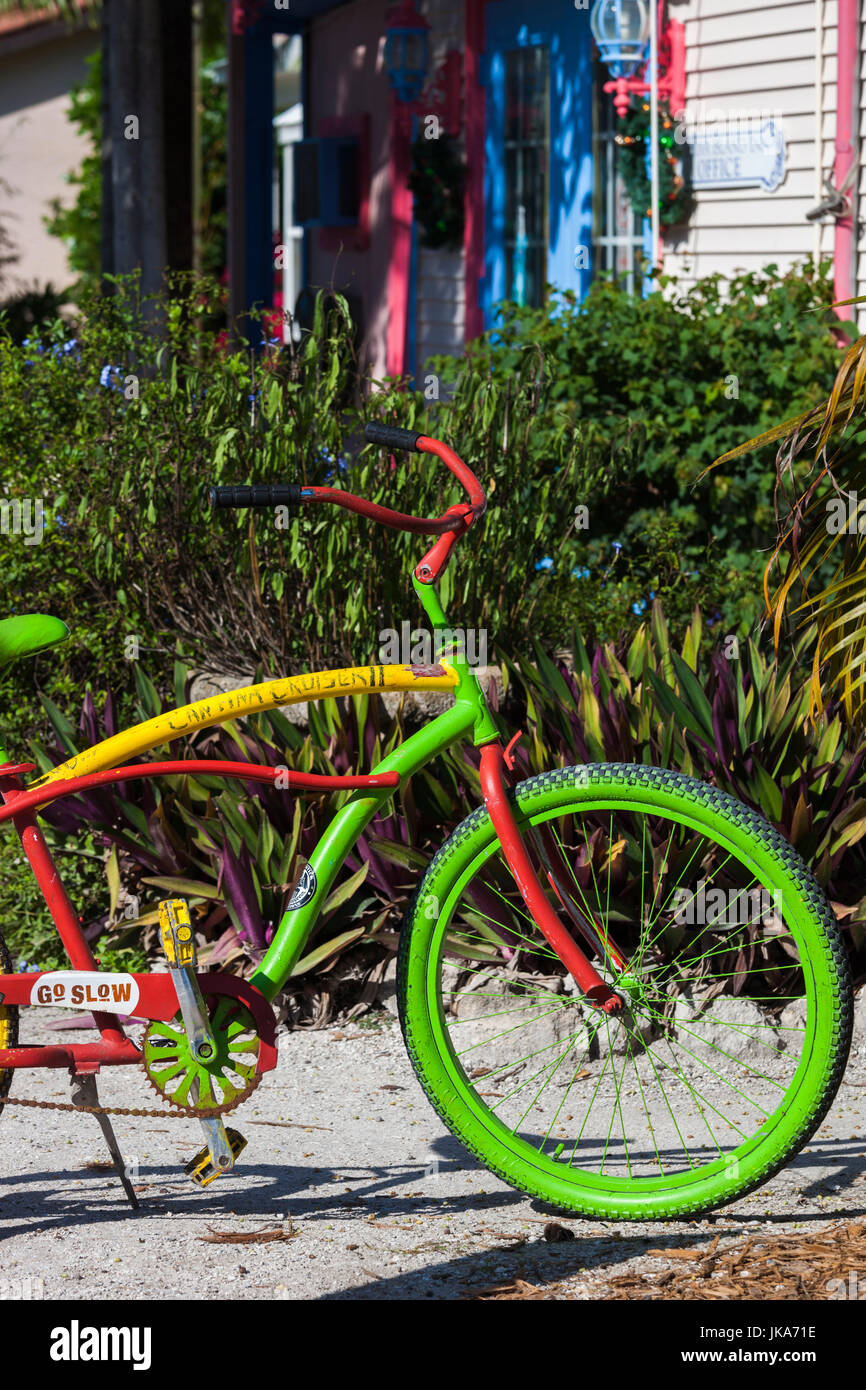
(846, 151)
(347, 76)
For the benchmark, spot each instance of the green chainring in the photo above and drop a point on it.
(220, 1084)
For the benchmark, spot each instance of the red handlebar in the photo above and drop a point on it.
(449, 527)
(464, 475)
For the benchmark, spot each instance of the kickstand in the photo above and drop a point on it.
(84, 1092)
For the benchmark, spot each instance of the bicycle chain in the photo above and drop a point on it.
(180, 1112)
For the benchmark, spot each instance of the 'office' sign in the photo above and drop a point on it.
(738, 153)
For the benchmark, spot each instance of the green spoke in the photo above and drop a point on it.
(587, 908)
(650, 1126)
(698, 1098)
(664, 1095)
(702, 1104)
(719, 1076)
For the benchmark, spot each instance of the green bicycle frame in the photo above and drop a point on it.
(470, 717)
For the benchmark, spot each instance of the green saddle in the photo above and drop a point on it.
(30, 633)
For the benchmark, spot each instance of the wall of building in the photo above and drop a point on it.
(861, 179)
(38, 148)
(769, 56)
(347, 76)
(440, 299)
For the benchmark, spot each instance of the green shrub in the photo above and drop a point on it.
(588, 445)
(121, 431)
(664, 385)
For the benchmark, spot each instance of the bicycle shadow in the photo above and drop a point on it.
(389, 1194)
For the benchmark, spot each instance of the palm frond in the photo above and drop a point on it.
(822, 583)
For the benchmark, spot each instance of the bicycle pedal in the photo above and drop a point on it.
(176, 934)
(202, 1169)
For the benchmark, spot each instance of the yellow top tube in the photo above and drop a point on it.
(250, 699)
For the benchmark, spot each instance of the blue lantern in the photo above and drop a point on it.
(621, 28)
(406, 51)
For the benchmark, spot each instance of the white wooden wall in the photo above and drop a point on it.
(765, 56)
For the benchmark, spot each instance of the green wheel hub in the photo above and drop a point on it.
(223, 1081)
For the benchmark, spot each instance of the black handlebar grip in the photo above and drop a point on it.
(391, 436)
(256, 495)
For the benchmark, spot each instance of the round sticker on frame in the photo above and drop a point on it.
(304, 889)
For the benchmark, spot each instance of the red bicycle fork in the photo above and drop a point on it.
(497, 801)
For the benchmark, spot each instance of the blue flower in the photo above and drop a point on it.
(110, 376)
(581, 572)
(617, 546)
(64, 349)
(639, 606)
(546, 563)
(652, 594)
(341, 462)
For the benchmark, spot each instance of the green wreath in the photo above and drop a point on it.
(633, 132)
(436, 180)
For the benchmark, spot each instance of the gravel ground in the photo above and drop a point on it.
(346, 1153)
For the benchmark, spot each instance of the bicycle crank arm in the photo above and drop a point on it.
(178, 944)
(219, 1154)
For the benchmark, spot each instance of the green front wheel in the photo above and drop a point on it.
(736, 996)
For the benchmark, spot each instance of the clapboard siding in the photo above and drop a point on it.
(720, 10)
(759, 83)
(763, 20)
(747, 212)
(759, 58)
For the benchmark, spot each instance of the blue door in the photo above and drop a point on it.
(538, 187)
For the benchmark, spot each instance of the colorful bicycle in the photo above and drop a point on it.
(619, 987)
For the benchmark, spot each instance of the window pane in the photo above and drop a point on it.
(527, 103)
(617, 228)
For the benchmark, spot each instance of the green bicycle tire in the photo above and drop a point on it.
(720, 820)
(8, 1024)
